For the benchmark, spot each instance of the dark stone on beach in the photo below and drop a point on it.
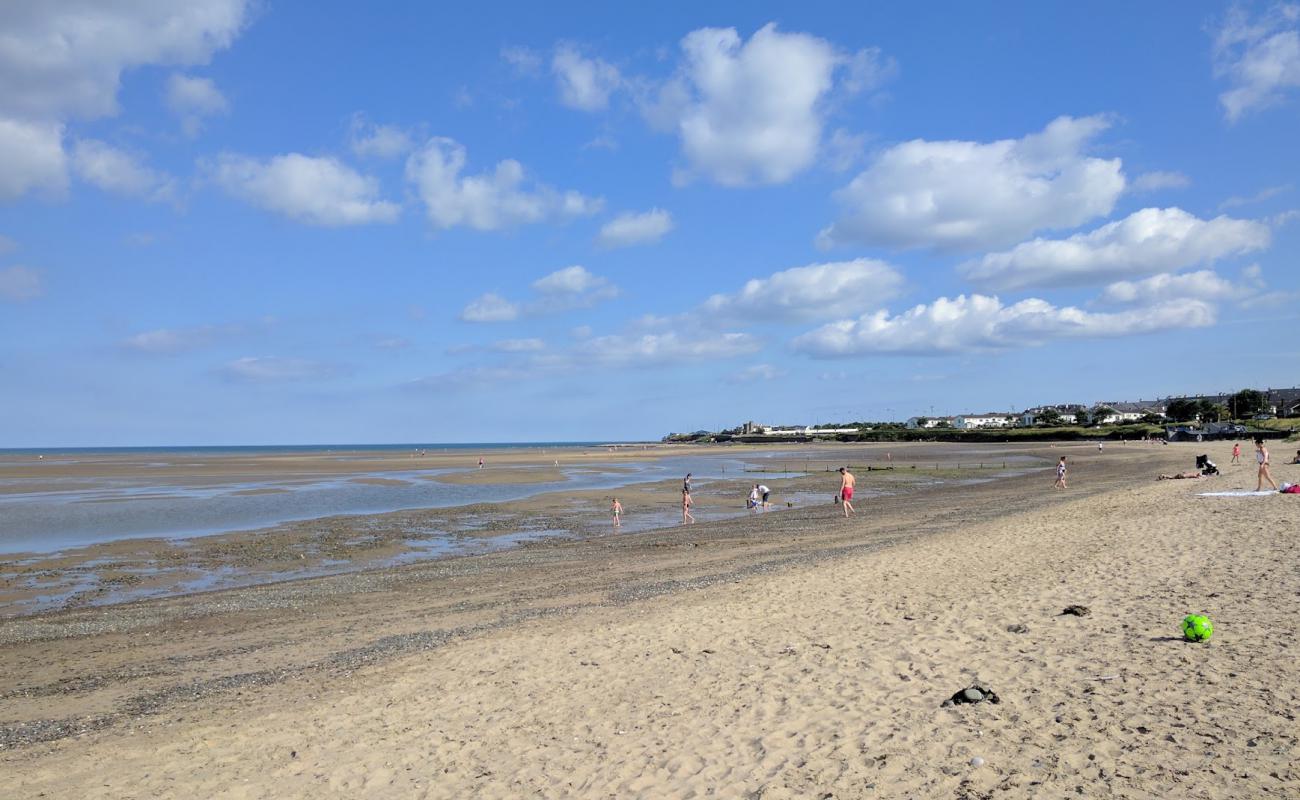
(975, 693)
(1018, 628)
(1076, 611)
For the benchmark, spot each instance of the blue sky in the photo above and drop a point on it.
(225, 222)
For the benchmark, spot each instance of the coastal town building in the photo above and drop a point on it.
(929, 422)
(968, 422)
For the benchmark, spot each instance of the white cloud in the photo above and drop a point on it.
(1144, 243)
(981, 323)
(192, 99)
(489, 201)
(757, 372)
(20, 284)
(752, 112)
(372, 140)
(318, 191)
(519, 345)
(31, 158)
(117, 171)
(816, 291)
(631, 228)
(169, 341)
(1257, 197)
(662, 348)
(1201, 285)
(1260, 58)
(274, 369)
(584, 83)
(63, 60)
(1155, 181)
(524, 59)
(960, 194)
(490, 307)
(563, 290)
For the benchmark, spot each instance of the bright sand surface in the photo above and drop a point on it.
(796, 679)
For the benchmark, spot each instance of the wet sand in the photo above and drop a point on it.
(792, 654)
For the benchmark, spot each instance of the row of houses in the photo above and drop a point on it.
(1069, 414)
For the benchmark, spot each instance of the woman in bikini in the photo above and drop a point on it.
(1261, 456)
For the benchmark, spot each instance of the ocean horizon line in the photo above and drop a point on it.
(326, 447)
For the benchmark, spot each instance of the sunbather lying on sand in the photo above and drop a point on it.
(1181, 476)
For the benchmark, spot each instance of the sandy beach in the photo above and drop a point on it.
(787, 655)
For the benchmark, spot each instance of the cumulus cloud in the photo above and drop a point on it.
(584, 83)
(1257, 197)
(632, 228)
(169, 341)
(314, 190)
(1156, 181)
(493, 200)
(118, 171)
(816, 291)
(275, 369)
(961, 194)
(1200, 285)
(1258, 57)
(752, 112)
(524, 59)
(372, 140)
(193, 99)
(63, 60)
(1144, 243)
(563, 290)
(20, 284)
(662, 348)
(982, 323)
(31, 158)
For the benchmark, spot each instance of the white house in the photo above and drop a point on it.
(1035, 415)
(972, 421)
(930, 422)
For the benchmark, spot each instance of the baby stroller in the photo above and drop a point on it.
(1206, 466)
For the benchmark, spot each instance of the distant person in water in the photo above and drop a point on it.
(617, 508)
(1261, 456)
(687, 502)
(1236, 452)
(1061, 469)
(847, 482)
(480, 462)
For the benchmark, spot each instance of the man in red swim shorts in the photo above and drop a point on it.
(846, 490)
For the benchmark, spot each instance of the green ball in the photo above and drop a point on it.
(1197, 628)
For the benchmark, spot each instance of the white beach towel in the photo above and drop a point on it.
(1241, 493)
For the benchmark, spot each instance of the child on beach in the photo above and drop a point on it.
(686, 507)
(753, 498)
(1060, 474)
(1261, 456)
(617, 508)
(1236, 452)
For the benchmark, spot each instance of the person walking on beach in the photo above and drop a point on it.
(617, 508)
(1261, 456)
(480, 462)
(767, 494)
(1060, 474)
(687, 502)
(847, 482)
(686, 484)
(1236, 452)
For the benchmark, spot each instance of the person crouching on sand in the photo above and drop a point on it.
(1261, 456)
(847, 482)
(1061, 469)
(687, 502)
(617, 508)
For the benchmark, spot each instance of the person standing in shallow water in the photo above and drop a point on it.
(1261, 456)
(847, 482)
(617, 509)
(687, 502)
(1061, 469)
